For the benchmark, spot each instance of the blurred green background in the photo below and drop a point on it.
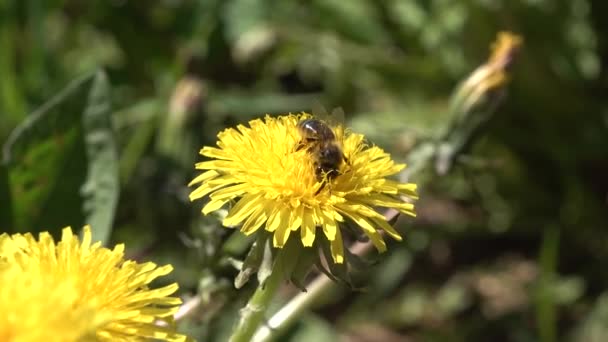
(105, 104)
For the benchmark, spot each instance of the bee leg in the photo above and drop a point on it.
(346, 160)
(300, 146)
(304, 143)
(323, 183)
(322, 177)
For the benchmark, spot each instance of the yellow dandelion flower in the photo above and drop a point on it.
(272, 183)
(40, 307)
(74, 291)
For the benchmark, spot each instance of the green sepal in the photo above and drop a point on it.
(325, 271)
(353, 230)
(357, 262)
(289, 256)
(253, 261)
(309, 256)
(393, 220)
(338, 271)
(268, 256)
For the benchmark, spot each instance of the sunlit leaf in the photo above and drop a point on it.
(100, 192)
(62, 161)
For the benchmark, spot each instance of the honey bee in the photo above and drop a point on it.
(321, 142)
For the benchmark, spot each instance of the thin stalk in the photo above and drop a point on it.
(545, 303)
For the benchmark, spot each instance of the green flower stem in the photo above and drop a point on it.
(545, 301)
(253, 313)
(292, 310)
(318, 288)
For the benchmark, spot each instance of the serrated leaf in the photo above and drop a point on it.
(65, 144)
(101, 189)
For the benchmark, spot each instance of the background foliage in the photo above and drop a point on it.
(104, 105)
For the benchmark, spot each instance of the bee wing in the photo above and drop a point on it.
(336, 118)
(319, 111)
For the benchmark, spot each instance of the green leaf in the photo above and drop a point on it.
(389, 273)
(248, 105)
(12, 103)
(62, 161)
(141, 120)
(6, 218)
(100, 192)
(356, 19)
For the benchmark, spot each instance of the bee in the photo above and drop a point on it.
(321, 142)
